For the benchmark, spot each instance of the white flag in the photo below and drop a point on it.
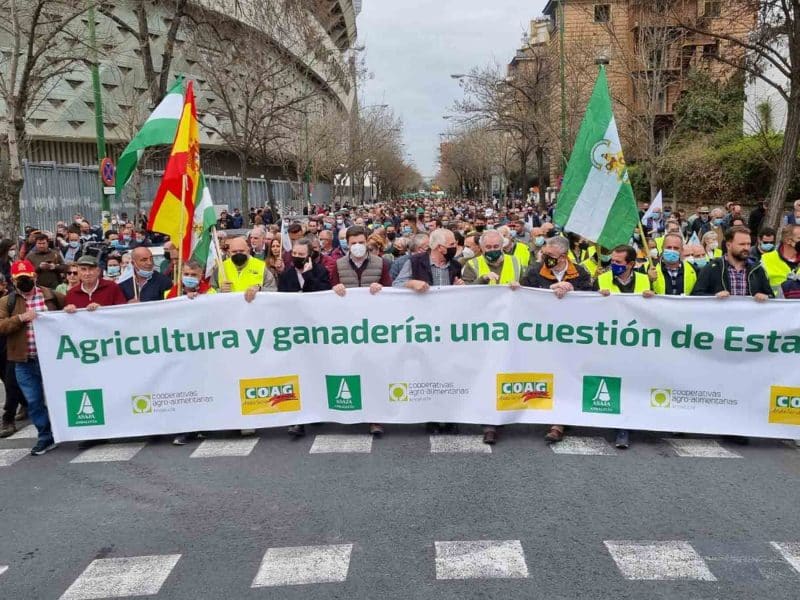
(658, 203)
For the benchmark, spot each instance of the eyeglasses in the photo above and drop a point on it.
(72, 272)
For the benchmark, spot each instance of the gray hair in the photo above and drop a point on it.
(674, 235)
(417, 241)
(193, 264)
(490, 233)
(438, 237)
(558, 242)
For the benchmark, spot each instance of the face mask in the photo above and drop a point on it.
(74, 244)
(671, 256)
(343, 245)
(539, 240)
(654, 253)
(690, 260)
(667, 214)
(24, 284)
(768, 247)
(637, 237)
(493, 255)
(450, 253)
(468, 253)
(339, 221)
(299, 262)
(190, 282)
(480, 228)
(391, 236)
(113, 270)
(618, 270)
(144, 274)
(239, 260)
(605, 258)
(718, 222)
(397, 252)
(328, 226)
(407, 230)
(713, 245)
(701, 262)
(550, 262)
(12, 254)
(315, 255)
(358, 250)
(167, 255)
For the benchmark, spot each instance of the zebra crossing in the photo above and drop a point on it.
(574, 445)
(635, 560)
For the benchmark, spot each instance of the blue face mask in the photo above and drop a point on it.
(539, 241)
(144, 274)
(74, 244)
(190, 282)
(407, 230)
(718, 222)
(700, 262)
(113, 270)
(618, 270)
(343, 245)
(768, 247)
(671, 256)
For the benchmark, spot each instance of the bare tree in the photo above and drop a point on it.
(37, 57)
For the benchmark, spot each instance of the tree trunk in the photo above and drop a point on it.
(523, 173)
(787, 161)
(542, 176)
(11, 176)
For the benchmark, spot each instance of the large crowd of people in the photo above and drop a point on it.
(414, 244)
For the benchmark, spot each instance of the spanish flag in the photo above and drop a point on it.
(173, 207)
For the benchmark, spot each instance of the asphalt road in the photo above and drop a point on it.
(380, 523)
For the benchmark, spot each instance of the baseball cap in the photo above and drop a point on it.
(23, 268)
(703, 209)
(87, 260)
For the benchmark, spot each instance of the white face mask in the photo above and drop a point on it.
(654, 253)
(468, 253)
(358, 250)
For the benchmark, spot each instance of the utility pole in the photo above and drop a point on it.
(354, 122)
(105, 199)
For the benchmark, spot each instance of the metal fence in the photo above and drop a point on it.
(54, 192)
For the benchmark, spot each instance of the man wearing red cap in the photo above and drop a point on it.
(16, 322)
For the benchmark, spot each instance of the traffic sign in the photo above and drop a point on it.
(107, 171)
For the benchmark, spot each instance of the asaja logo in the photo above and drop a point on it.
(398, 392)
(85, 408)
(602, 394)
(270, 395)
(784, 405)
(660, 398)
(524, 391)
(344, 392)
(142, 404)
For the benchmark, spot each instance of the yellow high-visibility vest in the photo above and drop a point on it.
(689, 279)
(777, 269)
(510, 272)
(252, 274)
(606, 282)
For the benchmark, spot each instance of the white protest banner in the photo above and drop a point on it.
(469, 355)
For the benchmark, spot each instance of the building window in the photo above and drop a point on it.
(602, 13)
(712, 10)
(710, 51)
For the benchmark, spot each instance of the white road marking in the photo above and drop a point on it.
(11, 455)
(109, 453)
(790, 551)
(219, 448)
(303, 565)
(654, 561)
(584, 446)
(691, 448)
(26, 433)
(328, 444)
(459, 444)
(3, 569)
(483, 559)
(122, 577)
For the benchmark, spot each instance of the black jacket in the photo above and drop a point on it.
(315, 280)
(715, 278)
(421, 268)
(539, 276)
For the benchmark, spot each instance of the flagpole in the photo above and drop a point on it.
(221, 278)
(184, 184)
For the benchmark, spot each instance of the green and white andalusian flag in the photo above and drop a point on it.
(158, 130)
(596, 199)
(205, 219)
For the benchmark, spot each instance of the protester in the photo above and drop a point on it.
(193, 282)
(93, 291)
(241, 273)
(304, 275)
(48, 262)
(16, 323)
(672, 276)
(275, 263)
(783, 262)
(147, 284)
(14, 407)
(559, 274)
(763, 244)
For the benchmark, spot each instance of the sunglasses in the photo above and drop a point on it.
(72, 272)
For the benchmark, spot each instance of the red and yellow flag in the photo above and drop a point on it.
(173, 207)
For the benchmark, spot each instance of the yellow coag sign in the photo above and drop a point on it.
(270, 395)
(784, 405)
(524, 391)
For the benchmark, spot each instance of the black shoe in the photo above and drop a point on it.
(297, 431)
(43, 447)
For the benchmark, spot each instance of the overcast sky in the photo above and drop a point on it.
(413, 46)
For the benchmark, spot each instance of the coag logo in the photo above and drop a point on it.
(524, 391)
(660, 398)
(602, 394)
(784, 405)
(142, 404)
(85, 408)
(398, 392)
(344, 392)
(270, 395)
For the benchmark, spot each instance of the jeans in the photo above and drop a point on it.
(29, 378)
